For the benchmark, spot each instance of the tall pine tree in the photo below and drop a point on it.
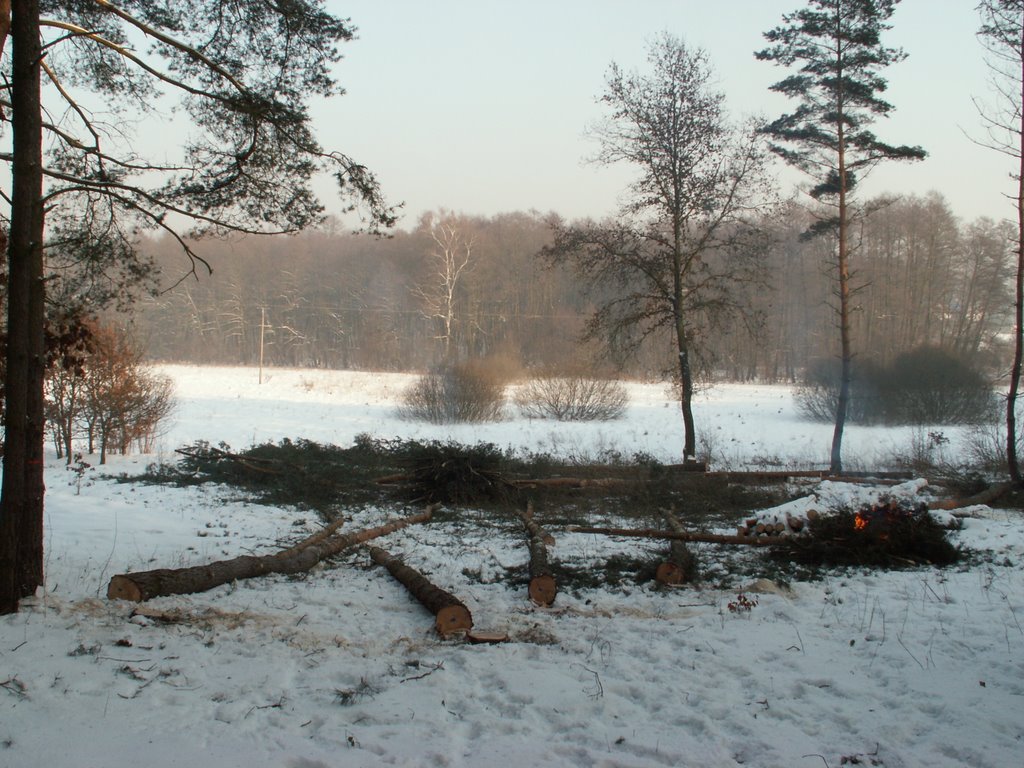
(239, 73)
(835, 47)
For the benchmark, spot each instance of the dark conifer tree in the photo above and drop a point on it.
(238, 75)
(835, 47)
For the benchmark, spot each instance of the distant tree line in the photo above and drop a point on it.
(329, 299)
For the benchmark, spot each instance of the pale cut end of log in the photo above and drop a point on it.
(452, 620)
(478, 636)
(123, 588)
(669, 574)
(542, 589)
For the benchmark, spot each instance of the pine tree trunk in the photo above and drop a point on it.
(653, 533)
(451, 616)
(21, 497)
(846, 350)
(146, 585)
(543, 588)
(1012, 460)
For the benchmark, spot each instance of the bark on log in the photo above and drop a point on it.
(450, 615)
(680, 564)
(543, 588)
(766, 475)
(571, 482)
(987, 496)
(653, 533)
(146, 585)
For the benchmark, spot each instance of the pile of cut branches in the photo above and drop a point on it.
(884, 536)
(452, 474)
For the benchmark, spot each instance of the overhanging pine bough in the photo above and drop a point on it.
(242, 72)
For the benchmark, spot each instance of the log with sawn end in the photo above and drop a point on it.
(325, 543)
(680, 566)
(450, 615)
(543, 587)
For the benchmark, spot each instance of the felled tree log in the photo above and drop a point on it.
(543, 587)
(450, 615)
(654, 533)
(765, 475)
(570, 482)
(146, 585)
(681, 564)
(987, 496)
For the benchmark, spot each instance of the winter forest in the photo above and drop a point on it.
(329, 299)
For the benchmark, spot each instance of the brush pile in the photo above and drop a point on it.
(888, 534)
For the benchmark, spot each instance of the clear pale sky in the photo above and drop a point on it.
(481, 106)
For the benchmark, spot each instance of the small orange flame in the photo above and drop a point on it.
(860, 522)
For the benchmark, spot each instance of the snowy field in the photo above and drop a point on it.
(341, 668)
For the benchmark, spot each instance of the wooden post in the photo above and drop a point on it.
(543, 587)
(450, 615)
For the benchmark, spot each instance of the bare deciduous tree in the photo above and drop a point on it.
(673, 261)
(1002, 33)
(449, 259)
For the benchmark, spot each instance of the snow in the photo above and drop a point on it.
(340, 667)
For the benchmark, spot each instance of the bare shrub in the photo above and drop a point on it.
(463, 392)
(818, 397)
(572, 397)
(124, 402)
(108, 397)
(985, 447)
(925, 386)
(932, 386)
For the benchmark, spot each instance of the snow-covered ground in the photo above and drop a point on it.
(340, 667)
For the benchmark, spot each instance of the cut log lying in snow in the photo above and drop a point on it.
(987, 496)
(680, 564)
(146, 585)
(451, 616)
(543, 588)
(571, 482)
(654, 533)
(766, 475)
